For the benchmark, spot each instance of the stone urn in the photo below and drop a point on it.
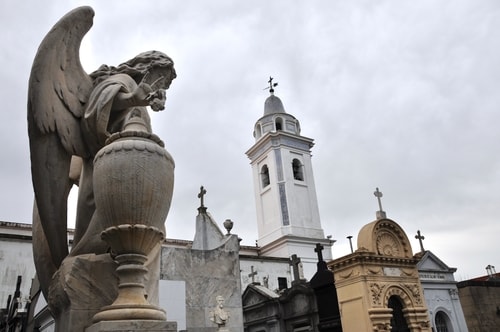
(133, 180)
(228, 225)
(133, 185)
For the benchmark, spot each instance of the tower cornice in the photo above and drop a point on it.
(279, 138)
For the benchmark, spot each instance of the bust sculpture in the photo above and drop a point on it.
(219, 315)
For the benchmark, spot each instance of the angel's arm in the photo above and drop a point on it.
(138, 97)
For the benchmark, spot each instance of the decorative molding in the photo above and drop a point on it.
(377, 270)
(376, 290)
(284, 206)
(394, 238)
(279, 164)
(297, 142)
(388, 245)
(409, 272)
(453, 293)
(414, 290)
(345, 275)
(401, 292)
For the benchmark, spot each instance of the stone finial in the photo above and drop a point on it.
(228, 225)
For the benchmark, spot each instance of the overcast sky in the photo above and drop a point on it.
(400, 95)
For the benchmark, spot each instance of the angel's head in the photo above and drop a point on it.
(148, 67)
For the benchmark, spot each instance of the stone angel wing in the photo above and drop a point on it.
(58, 90)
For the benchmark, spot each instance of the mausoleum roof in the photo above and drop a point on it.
(385, 237)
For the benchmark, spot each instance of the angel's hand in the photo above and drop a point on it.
(157, 100)
(141, 94)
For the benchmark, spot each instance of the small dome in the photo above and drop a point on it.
(273, 105)
(385, 237)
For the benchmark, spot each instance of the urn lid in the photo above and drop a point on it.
(132, 134)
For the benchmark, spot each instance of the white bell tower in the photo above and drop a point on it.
(287, 209)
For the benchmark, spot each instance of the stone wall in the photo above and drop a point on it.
(16, 259)
(207, 274)
(481, 304)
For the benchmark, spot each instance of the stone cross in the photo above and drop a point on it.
(420, 238)
(201, 195)
(379, 195)
(295, 263)
(319, 250)
(380, 214)
(252, 274)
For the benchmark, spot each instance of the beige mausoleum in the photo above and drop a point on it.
(378, 285)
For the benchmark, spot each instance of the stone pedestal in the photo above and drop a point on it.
(78, 290)
(86, 283)
(133, 326)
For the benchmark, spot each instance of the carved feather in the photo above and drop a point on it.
(58, 85)
(58, 90)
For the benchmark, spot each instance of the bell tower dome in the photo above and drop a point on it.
(287, 209)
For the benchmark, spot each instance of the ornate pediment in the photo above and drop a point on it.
(255, 294)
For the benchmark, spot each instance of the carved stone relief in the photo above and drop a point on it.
(388, 245)
(409, 272)
(346, 274)
(376, 290)
(375, 270)
(453, 294)
(414, 291)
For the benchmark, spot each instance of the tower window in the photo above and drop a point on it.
(279, 124)
(264, 176)
(258, 131)
(297, 170)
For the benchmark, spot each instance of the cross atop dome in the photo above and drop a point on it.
(380, 213)
(271, 85)
(273, 104)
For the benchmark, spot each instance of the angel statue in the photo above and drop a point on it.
(70, 116)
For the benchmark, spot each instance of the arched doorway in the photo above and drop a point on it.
(398, 320)
(442, 322)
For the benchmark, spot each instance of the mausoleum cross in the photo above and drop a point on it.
(319, 250)
(252, 274)
(201, 195)
(379, 195)
(420, 239)
(294, 262)
(380, 213)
